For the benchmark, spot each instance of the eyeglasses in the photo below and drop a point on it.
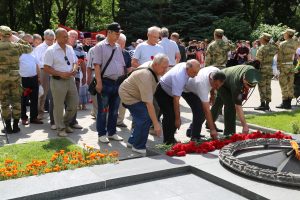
(67, 60)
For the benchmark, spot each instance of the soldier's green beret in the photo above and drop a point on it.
(219, 31)
(289, 31)
(5, 30)
(252, 76)
(266, 36)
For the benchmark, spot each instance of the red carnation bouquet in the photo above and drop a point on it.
(181, 149)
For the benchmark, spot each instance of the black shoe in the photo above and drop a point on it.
(288, 104)
(282, 105)
(7, 129)
(261, 107)
(16, 128)
(173, 141)
(188, 133)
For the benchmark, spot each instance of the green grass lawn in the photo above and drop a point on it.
(25, 153)
(276, 120)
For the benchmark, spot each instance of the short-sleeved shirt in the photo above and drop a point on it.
(55, 58)
(28, 65)
(39, 53)
(103, 51)
(173, 82)
(234, 81)
(200, 84)
(90, 58)
(145, 52)
(140, 86)
(171, 49)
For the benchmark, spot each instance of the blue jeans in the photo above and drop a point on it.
(142, 123)
(108, 103)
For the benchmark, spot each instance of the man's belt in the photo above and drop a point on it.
(287, 63)
(56, 77)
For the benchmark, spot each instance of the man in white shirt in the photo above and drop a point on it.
(39, 54)
(170, 47)
(29, 72)
(196, 95)
(147, 50)
(168, 93)
(61, 62)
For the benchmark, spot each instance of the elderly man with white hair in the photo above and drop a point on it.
(147, 50)
(39, 54)
(136, 93)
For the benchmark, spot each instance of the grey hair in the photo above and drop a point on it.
(72, 32)
(49, 32)
(153, 29)
(24, 37)
(164, 32)
(159, 58)
(100, 37)
(218, 75)
(36, 36)
(122, 37)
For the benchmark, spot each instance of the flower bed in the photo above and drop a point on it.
(181, 149)
(59, 161)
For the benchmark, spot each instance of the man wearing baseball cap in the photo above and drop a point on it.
(239, 79)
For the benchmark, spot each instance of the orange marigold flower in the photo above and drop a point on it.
(48, 170)
(8, 174)
(8, 161)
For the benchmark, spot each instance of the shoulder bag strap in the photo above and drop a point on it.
(154, 75)
(106, 65)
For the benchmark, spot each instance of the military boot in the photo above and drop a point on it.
(7, 128)
(16, 128)
(267, 106)
(288, 104)
(282, 105)
(261, 107)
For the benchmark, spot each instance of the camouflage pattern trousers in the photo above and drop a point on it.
(10, 95)
(264, 86)
(286, 81)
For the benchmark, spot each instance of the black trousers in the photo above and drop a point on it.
(198, 115)
(32, 83)
(165, 102)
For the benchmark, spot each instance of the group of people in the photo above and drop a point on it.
(148, 80)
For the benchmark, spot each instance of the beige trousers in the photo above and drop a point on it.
(42, 99)
(64, 92)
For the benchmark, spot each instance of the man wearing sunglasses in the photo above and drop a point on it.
(239, 80)
(60, 62)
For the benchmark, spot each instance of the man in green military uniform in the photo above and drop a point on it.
(286, 52)
(265, 55)
(239, 79)
(11, 48)
(217, 51)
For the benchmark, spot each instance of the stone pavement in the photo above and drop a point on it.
(98, 178)
(88, 134)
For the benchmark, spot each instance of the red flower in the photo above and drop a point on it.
(170, 153)
(181, 153)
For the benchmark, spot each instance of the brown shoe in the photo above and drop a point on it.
(36, 121)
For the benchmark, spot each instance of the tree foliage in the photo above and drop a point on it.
(274, 30)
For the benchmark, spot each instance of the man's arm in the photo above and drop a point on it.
(177, 111)
(83, 69)
(98, 77)
(209, 119)
(177, 57)
(153, 117)
(241, 116)
(135, 63)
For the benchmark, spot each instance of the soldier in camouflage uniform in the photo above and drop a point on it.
(265, 55)
(287, 50)
(217, 51)
(10, 89)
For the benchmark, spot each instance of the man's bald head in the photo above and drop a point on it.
(193, 67)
